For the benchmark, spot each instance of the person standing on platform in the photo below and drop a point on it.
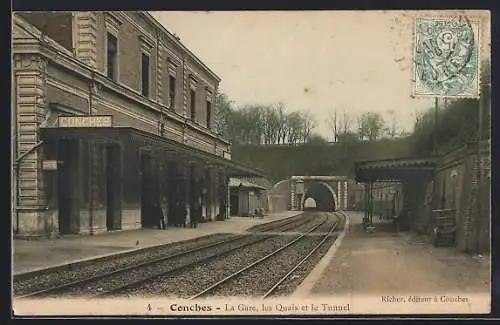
(159, 214)
(184, 214)
(164, 211)
(197, 214)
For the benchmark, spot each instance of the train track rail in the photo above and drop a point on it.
(274, 288)
(135, 284)
(246, 240)
(284, 224)
(207, 291)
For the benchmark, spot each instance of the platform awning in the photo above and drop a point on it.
(174, 148)
(241, 183)
(394, 170)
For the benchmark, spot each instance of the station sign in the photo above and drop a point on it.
(87, 121)
(49, 164)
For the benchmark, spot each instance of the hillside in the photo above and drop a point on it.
(282, 161)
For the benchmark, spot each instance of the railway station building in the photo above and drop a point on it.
(112, 116)
(247, 195)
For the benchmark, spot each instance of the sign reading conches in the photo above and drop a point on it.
(89, 121)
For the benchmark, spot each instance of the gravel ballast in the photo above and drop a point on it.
(251, 282)
(261, 277)
(194, 280)
(289, 285)
(122, 278)
(191, 272)
(272, 224)
(71, 273)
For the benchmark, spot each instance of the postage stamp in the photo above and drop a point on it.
(285, 172)
(446, 57)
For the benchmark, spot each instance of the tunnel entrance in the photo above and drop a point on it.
(322, 195)
(309, 204)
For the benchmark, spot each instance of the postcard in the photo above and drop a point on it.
(257, 163)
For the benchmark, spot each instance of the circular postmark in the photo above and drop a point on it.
(445, 56)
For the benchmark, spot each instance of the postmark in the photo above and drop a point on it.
(446, 57)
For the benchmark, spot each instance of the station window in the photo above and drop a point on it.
(209, 113)
(171, 93)
(193, 104)
(145, 74)
(112, 56)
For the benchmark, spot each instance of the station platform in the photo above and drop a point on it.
(390, 262)
(45, 253)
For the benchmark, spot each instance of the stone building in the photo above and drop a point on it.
(454, 190)
(451, 192)
(246, 195)
(111, 115)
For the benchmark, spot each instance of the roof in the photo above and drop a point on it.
(170, 146)
(238, 182)
(394, 169)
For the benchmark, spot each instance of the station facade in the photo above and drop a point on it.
(112, 116)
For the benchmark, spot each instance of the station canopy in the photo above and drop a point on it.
(171, 147)
(394, 170)
(243, 183)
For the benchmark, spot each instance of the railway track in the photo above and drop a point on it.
(240, 282)
(280, 223)
(325, 243)
(108, 283)
(169, 275)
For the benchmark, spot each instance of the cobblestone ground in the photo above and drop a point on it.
(386, 262)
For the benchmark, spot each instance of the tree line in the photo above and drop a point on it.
(454, 123)
(262, 124)
(272, 124)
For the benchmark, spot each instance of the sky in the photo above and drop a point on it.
(316, 61)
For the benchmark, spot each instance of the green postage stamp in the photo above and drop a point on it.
(446, 57)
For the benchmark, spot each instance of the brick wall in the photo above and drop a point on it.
(460, 193)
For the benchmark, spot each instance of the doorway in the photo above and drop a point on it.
(113, 187)
(147, 190)
(67, 185)
(234, 203)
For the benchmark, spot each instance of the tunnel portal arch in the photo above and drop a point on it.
(278, 196)
(323, 195)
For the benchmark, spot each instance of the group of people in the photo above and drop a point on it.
(259, 213)
(178, 217)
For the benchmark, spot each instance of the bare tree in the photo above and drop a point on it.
(309, 123)
(393, 129)
(362, 129)
(346, 123)
(370, 126)
(281, 131)
(269, 124)
(295, 127)
(333, 124)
